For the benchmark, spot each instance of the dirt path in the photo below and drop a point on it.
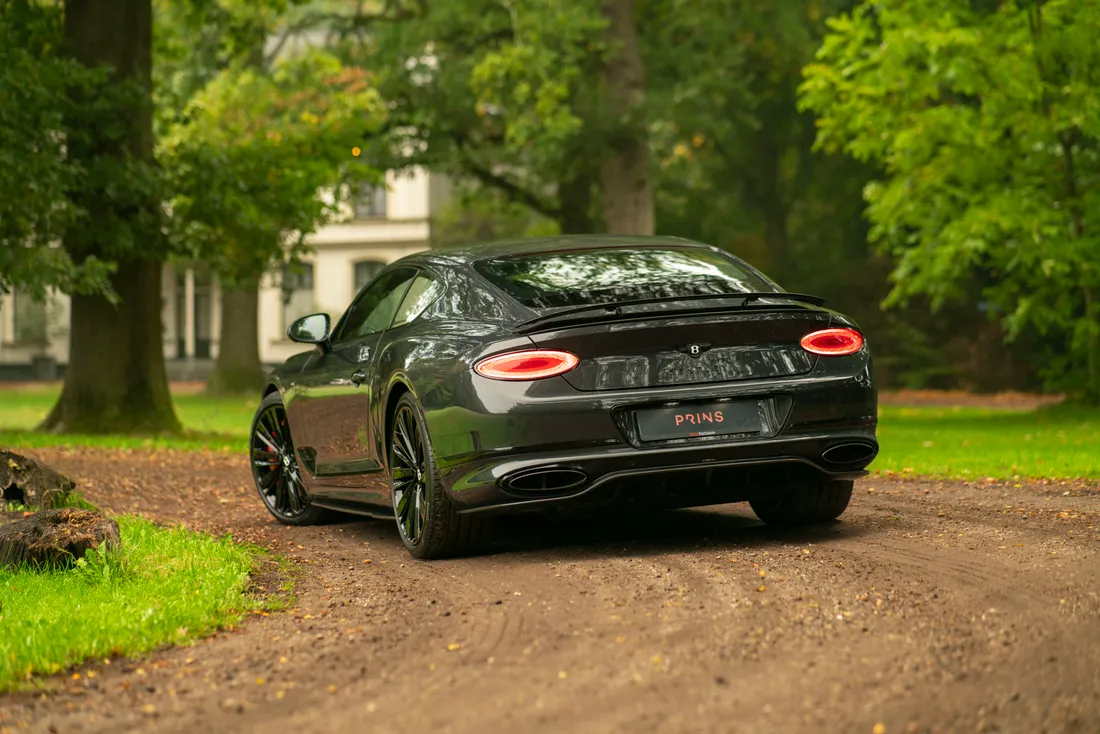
(933, 607)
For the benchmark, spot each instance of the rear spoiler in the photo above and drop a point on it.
(612, 311)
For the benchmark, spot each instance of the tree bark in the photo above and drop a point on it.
(769, 200)
(116, 379)
(1092, 347)
(238, 368)
(575, 198)
(625, 173)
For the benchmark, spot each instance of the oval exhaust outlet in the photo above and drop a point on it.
(846, 454)
(546, 480)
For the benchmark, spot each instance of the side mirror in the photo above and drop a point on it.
(312, 329)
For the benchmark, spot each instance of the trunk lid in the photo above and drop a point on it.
(668, 350)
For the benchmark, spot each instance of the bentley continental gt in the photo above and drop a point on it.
(565, 375)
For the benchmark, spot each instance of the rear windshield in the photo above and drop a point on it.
(591, 277)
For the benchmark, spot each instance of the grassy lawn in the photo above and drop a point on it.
(211, 423)
(1058, 443)
(161, 586)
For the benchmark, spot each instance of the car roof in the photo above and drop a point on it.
(468, 254)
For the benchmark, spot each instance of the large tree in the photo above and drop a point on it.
(116, 379)
(984, 119)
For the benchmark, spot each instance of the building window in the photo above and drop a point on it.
(370, 202)
(30, 319)
(365, 272)
(297, 292)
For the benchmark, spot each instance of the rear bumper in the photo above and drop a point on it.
(502, 431)
(670, 477)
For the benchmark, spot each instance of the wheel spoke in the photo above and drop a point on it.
(410, 522)
(275, 427)
(402, 502)
(281, 494)
(403, 474)
(292, 493)
(405, 431)
(267, 480)
(264, 439)
(261, 457)
(401, 447)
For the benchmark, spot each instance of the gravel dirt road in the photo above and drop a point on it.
(931, 607)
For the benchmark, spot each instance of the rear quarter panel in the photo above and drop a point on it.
(427, 358)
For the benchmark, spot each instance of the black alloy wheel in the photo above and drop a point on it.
(408, 471)
(275, 467)
(427, 518)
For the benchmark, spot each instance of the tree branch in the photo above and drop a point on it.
(513, 191)
(304, 23)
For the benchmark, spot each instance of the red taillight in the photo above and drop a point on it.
(530, 365)
(833, 342)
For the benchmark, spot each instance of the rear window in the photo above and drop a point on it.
(592, 277)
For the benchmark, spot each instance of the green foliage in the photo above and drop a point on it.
(37, 181)
(537, 75)
(505, 95)
(262, 154)
(478, 214)
(160, 586)
(973, 443)
(985, 121)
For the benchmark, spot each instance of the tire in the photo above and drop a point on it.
(805, 504)
(438, 530)
(289, 503)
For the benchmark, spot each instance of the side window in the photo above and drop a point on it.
(419, 296)
(374, 309)
(365, 270)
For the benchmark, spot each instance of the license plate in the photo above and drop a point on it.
(690, 421)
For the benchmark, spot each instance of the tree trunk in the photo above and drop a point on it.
(768, 199)
(116, 380)
(625, 173)
(1092, 348)
(575, 198)
(238, 368)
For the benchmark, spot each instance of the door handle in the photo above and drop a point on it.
(358, 377)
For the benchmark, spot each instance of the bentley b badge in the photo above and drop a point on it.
(693, 350)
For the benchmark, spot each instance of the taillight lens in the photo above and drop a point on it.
(529, 365)
(833, 342)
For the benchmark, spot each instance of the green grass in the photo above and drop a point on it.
(1061, 442)
(160, 586)
(209, 423)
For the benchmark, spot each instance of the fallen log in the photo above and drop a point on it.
(29, 482)
(55, 538)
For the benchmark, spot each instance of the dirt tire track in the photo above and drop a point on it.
(653, 623)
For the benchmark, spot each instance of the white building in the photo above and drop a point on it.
(386, 224)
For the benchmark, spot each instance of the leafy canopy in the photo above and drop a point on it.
(38, 180)
(985, 118)
(257, 158)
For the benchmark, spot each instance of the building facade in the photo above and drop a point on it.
(383, 225)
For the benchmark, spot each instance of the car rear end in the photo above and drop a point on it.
(686, 395)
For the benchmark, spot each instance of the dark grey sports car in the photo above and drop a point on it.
(566, 374)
